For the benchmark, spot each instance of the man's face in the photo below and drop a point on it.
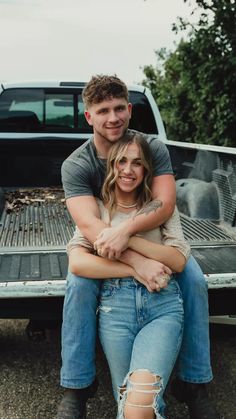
(109, 118)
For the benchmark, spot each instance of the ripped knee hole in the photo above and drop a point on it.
(140, 389)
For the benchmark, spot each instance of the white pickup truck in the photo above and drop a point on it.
(40, 125)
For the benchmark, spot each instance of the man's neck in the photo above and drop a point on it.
(102, 145)
(102, 148)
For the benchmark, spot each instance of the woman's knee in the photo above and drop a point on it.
(139, 393)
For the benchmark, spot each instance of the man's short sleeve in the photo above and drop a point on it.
(76, 178)
(160, 157)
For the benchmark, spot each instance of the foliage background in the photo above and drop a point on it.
(195, 85)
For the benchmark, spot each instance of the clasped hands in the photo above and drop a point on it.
(112, 241)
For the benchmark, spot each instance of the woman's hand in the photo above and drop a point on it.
(156, 285)
(154, 275)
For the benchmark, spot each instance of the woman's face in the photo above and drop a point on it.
(130, 169)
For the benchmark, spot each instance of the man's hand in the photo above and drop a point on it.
(112, 241)
(154, 275)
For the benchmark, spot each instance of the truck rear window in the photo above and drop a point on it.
(37, 110)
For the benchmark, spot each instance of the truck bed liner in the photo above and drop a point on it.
(42, 223)
(37, 225)
(33, 240)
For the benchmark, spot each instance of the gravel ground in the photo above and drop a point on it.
(29, 376)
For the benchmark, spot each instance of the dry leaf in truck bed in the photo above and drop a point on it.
(15, 200)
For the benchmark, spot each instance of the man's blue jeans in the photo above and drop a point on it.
(79, 329)
(140, 331)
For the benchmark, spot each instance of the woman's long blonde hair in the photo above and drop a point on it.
(116, 153)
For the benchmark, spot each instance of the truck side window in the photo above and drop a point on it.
(36, 110)
(59, 111)
(82, 124)
(21, 110)
(142, 115)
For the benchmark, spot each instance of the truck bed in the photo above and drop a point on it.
(35, 227)
(35, 219)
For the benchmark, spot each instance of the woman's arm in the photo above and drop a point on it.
(85, 264)
(173, 251)
(167, 255)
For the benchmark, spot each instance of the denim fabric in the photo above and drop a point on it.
(79, 332)
(194, 359)
(140, 330)
(79, 329)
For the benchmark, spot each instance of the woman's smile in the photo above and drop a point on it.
(126, 179)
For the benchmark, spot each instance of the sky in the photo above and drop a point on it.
(75, 39)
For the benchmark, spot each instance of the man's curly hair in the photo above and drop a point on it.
(103, 87)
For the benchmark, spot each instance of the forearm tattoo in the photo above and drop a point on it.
(151, 206)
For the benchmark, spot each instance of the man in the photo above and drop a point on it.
(108, 111)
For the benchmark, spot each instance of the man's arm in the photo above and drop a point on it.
(160, 209)
(114, 241)
(86, 215)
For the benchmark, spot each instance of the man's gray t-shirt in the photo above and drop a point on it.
(83, 171)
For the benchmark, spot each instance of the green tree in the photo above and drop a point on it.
(195, 85)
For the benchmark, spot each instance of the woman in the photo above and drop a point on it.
(140, 330)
